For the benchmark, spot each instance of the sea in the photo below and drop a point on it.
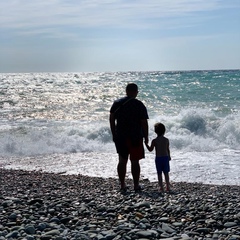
(59, 122)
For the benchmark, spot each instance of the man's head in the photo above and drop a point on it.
(132, 90)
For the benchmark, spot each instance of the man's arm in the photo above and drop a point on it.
(112, 125)
(168, 149)
(144, 124)
(150, 148)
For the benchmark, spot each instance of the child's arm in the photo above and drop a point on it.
(150, 148)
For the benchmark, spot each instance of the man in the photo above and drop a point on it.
(129, 125)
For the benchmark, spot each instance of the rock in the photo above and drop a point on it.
(145, 234)
(58, 207)
(52, 233)
(30, 229)
(230, 224)
(142, 204)
(164, 219)
(203, 230)
(167, 228)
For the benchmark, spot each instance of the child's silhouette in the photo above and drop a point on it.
(161, 145)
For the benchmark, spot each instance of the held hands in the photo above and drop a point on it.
(147, 146)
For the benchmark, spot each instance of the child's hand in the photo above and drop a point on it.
(149, 148)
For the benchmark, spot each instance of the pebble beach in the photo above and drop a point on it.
(39, 205)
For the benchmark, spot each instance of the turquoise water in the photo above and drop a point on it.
(216, 90)
(67, 113)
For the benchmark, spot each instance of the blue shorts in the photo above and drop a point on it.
(162, 164)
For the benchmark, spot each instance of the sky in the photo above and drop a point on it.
(118, 35)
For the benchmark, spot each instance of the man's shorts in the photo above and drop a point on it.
(133, 149)
(162, 164)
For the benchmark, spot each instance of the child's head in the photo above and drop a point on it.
(159, 129)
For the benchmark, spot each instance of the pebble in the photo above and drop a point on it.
(45, 206)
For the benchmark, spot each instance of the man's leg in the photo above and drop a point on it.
(135, 168)
(122, 168)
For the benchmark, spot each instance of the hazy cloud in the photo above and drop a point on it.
(26, 14)
(97, 35)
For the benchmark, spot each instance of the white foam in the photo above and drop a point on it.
(209, 168)
(189, 131)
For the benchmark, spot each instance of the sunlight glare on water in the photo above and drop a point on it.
(50, 116)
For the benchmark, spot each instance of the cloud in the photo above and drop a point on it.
(25, 14)
(115, 34)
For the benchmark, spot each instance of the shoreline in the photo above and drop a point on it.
(41, 205)
(95, 165)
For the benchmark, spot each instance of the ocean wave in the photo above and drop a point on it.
(201, 130)
(191, 130)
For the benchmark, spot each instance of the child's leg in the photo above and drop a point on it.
(160, 182)
(167, 181)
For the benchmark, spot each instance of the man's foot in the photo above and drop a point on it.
(138, 189)
(169, 191)
(123, 189)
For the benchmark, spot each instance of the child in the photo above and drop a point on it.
(161, 145)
